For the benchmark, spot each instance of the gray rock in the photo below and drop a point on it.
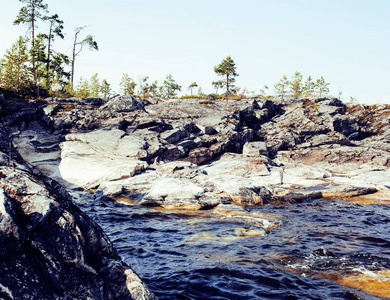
(306, 142)
(255, 149)
(330, 110)
(51, 249)
(331, 102)
(346, 126)
(124, 104)
(174, 135)
(207, 129)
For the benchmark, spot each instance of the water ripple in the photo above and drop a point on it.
(310, 250)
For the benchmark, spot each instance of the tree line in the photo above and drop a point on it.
(299, 88)
(33, 65)
(94, 87)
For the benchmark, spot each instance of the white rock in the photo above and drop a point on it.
(255, 149)
(87, 166)
(174, 189)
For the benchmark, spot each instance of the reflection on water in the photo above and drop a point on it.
(319, 249)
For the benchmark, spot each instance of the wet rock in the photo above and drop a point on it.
(175, 193)
(347, 191)
(156, 190)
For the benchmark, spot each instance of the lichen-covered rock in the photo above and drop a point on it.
(124, 104)
(250, 152)
(49, 248)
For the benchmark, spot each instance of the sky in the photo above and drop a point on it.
(345, 41)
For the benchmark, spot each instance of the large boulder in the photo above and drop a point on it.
(87, 159)
(346, 126)
(124, 104)
(255, 149)
(160, 189)
(51, 249)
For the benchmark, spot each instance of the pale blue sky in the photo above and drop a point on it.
(346, 41)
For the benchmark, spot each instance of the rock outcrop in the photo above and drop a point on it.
(49, 248)
(195, 154)
(176, 154)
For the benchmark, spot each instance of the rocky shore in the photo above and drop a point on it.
(195, 154)
(50, 249)
(190, 154)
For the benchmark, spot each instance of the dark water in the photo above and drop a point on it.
(302, 252)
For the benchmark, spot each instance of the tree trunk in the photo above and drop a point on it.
(48, 57)
(74, 55)
(227, 85)
(73, 58)
(33, 42)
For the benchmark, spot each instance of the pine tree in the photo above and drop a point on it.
(296, 84)
(281, 86)
(78, 46)
(144, 85)
(14, 67)
(57, 69)
(94, 86)
(153, 88)
(127, 85)
(322, 86)
(55, 29)
(33, 11)
(200, 92)
(105, 89)
(37, 54)
(227, 68)
(309, 87)
(170, 86)
(192, 86)
(217, 85)
(83, 89)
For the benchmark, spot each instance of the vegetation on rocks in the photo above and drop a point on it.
(34, 68)
(297, 88)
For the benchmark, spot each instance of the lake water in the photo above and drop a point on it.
(318, 249)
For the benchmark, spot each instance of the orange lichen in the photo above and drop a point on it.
(382, 196)
(377, 283)
(69, 106)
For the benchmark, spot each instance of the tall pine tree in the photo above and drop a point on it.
(78, 46)
(14, 68)
(29, 14)
(227, 68)
(55, 30)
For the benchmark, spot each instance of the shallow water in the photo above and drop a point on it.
(319, 249)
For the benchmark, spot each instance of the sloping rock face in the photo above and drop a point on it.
(49, 248)
(196, 153)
